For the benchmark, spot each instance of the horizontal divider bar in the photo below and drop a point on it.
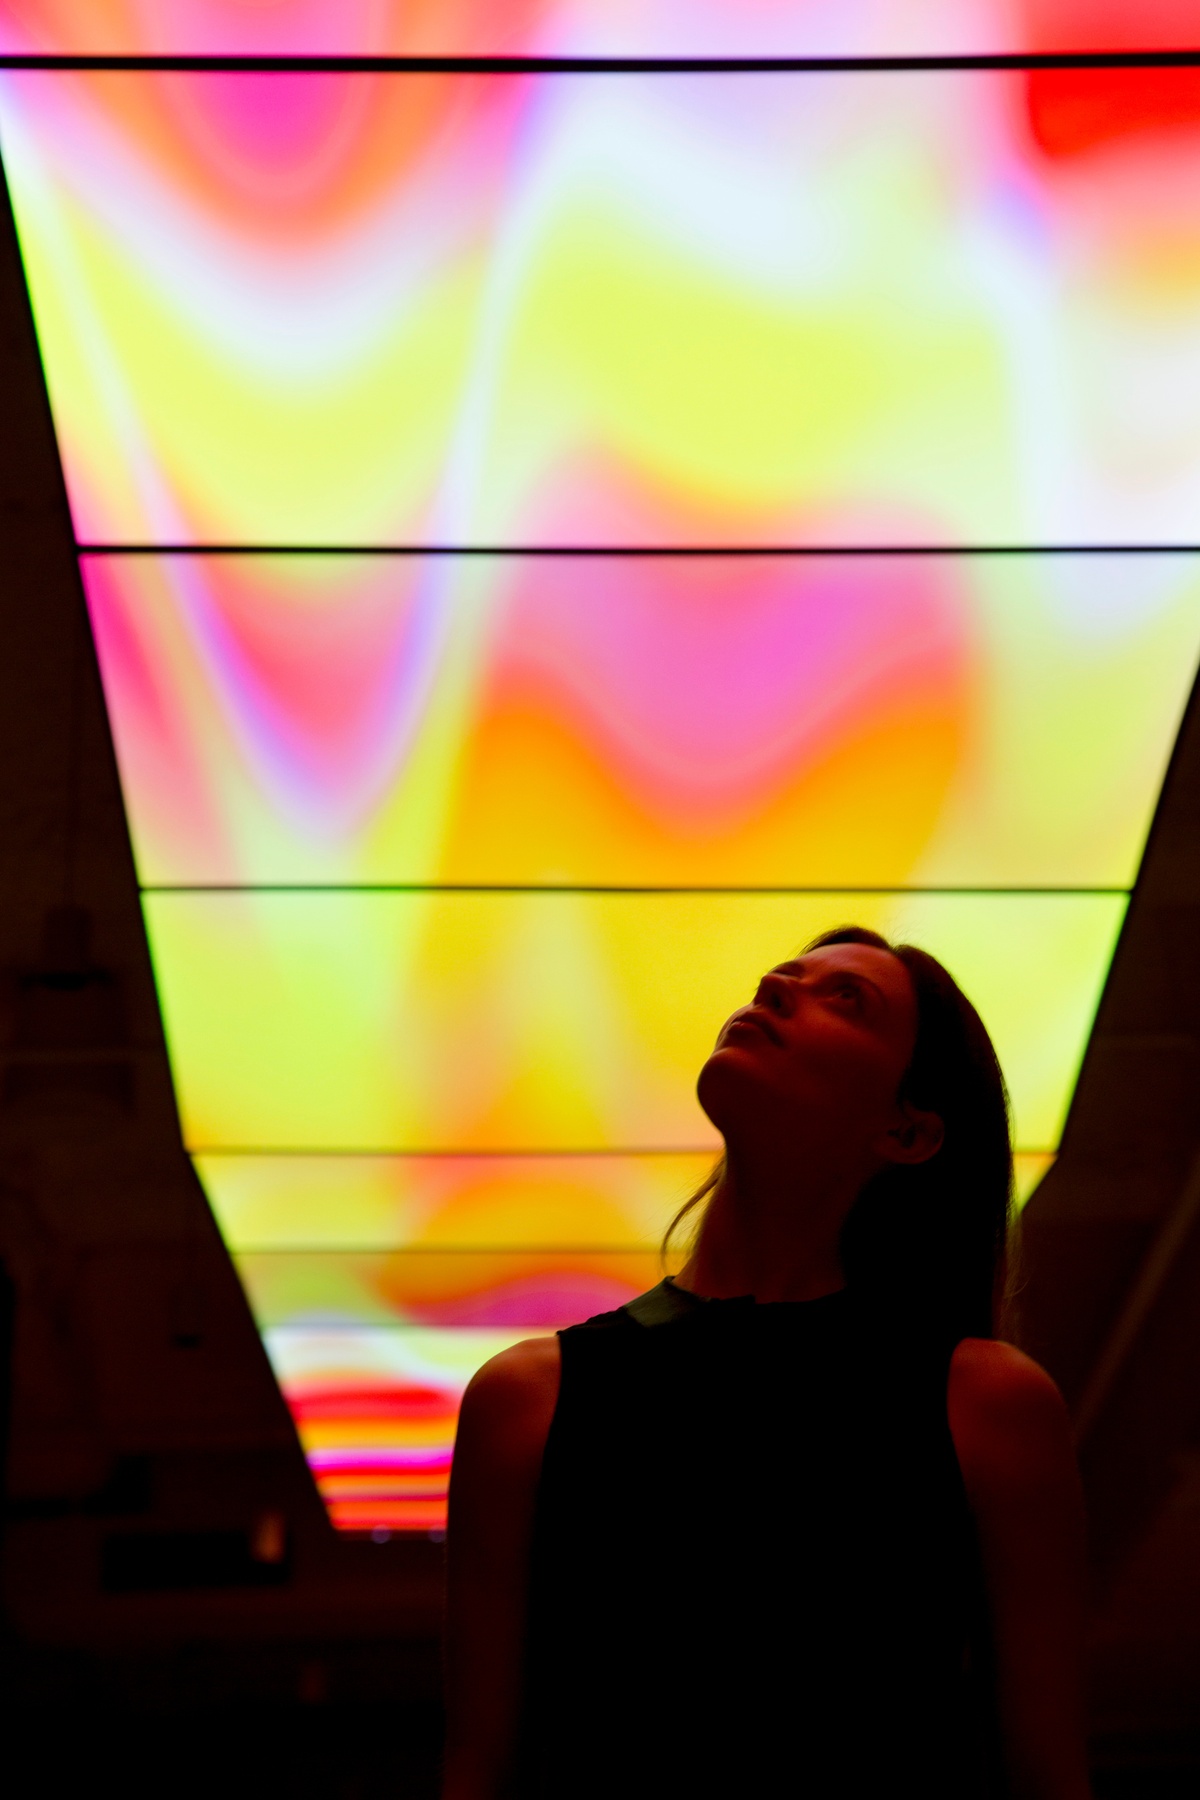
(564, 888)
(268, 1150)
(474, 1155)
(331, 1327)
(634, 551)
(981, 62)
(629, 1247)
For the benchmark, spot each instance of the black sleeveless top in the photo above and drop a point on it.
(754, 1570)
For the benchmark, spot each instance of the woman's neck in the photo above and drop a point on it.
(774, 1238)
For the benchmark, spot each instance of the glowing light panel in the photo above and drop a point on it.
(719, 308)
(564, 1021)
(454, 863)
(586, 27)
(775, 721)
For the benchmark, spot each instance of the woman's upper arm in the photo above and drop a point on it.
(1013, 1439)
(506, 1414)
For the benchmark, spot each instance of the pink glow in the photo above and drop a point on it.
(540, 1302)
(702, 685)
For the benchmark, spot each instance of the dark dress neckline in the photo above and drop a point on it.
(668, 1303)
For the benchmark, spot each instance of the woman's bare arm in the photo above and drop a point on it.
(1014, 1447)
(506, 1414)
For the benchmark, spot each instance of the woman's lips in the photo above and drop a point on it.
(754, 1021)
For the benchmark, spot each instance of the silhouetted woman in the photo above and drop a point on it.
(795, 1523)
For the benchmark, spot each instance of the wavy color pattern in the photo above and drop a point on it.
(780, 721)
(455, 862)
(556, 1021)
(589, 27)
(732, 309)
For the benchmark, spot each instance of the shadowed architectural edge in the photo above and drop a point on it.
(1111, 1260)
(143, 1407)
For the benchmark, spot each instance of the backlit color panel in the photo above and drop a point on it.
(376, 1408)
(334, 1203)
(556, 1021)
(869, 308)
(459, 1290)
(823, 721)
(586, 27)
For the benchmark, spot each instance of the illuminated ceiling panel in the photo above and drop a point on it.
(453, 863)
(637, 309)
(350, 1203)
(564, 1021)
(353, 1203)
(587, 27)
(773, 721)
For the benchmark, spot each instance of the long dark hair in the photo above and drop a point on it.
(930, 1241)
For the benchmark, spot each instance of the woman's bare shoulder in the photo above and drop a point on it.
(1001, 1380)
(1007, 1417)
(510, 1401)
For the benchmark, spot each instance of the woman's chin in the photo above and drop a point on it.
(729, 1072)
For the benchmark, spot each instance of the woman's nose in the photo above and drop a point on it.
(775, 991)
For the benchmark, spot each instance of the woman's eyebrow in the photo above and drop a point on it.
(862, 981)
(796, 966)
(865, 981)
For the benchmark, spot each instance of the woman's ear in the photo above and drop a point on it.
(915, 1137)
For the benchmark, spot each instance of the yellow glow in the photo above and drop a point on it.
(571, 1021)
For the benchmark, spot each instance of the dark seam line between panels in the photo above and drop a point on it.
(634, 550)
(386, 1322)
(603, 65)
(539, 1152)
(628, 1247)
(601, 888)
(643, 1248)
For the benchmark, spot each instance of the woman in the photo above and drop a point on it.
(796, 1522)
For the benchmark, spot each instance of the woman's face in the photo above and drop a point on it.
(819, 1053)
